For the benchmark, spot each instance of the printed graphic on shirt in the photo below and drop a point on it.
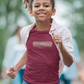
(42, 44)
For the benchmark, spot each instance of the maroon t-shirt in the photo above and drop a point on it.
(42, 63)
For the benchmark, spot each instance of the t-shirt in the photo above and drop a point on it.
(58, 30)
(42, 63)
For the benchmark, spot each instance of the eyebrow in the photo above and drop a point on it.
(44, 3)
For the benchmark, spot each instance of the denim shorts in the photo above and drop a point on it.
(29, 83)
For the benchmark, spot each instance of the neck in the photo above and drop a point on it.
(42, 26)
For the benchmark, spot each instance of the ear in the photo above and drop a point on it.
(31, 13)
(53, 12)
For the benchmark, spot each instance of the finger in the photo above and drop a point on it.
(55, 36)
(12, 74)
(12, 77)
(58, 41)
(11, 68)
(9, 72)
(52, 34)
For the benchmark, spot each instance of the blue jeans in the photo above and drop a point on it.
(21, 75)
(16, 80)
(19, 78)
(63, 79)
(29, 83)
(25, 82)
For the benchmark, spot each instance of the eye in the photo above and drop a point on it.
(36, 6)
(46, 5)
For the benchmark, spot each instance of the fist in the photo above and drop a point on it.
(12, 72)
(58, 40)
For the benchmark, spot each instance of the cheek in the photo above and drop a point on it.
(35, 10)
(49, 10)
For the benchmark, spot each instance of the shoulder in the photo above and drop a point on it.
(60, 29)
(25, 32)
(24, 29)
(27, 28)
(63, 31)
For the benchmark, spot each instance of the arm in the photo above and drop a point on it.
(67, 58)
(21, 62)
(12, 72)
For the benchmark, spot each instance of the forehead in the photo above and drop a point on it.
(42, 1)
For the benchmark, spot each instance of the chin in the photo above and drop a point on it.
(42, 20)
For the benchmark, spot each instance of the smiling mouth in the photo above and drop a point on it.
(41, 14)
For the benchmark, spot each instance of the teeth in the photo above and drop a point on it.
(41, 14)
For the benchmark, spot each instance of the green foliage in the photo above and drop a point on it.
(75, 15)
(3, 39)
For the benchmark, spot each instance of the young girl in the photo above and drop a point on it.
(49, 46)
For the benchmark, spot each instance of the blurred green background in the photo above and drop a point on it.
(13, 14)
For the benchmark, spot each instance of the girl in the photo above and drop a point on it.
(49, 46)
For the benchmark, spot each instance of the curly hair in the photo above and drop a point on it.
(28, 4)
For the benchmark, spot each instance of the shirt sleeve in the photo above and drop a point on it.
(24, 34)
(68, 43)
(76, 51)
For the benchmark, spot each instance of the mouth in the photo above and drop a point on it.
(41, 14)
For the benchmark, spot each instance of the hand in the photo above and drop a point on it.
(58, 40)
(12, 72)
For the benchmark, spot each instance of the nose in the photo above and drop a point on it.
(41, 7)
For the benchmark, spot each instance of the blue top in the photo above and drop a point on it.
(71, 72)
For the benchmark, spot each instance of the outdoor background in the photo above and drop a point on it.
(69, 13)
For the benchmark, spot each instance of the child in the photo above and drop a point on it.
(49, 46)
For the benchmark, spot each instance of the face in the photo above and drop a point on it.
(42, 10)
